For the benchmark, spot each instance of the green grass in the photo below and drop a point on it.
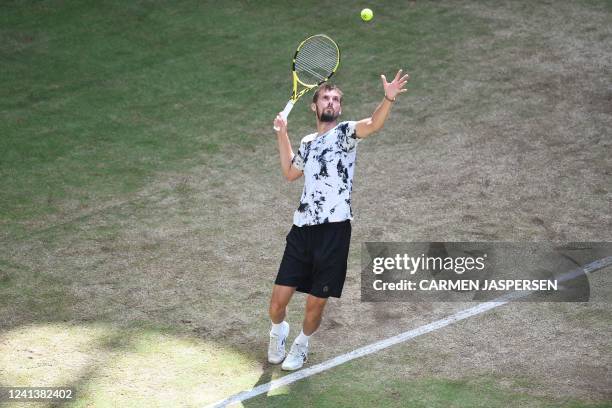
(355, 384)
(98, 99)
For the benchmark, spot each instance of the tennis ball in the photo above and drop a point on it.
(367, 14)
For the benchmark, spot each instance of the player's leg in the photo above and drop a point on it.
(281, 295)
(293, 270)
(294, 274)
(313, 314)
(312, 319)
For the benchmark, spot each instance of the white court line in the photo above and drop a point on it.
(400, 338)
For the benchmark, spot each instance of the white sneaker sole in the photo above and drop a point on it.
(285, 368)
(272, 361)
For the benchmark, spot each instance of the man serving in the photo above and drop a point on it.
(316, 253)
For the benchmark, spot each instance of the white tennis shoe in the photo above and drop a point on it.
(276, 348)
(296, 358)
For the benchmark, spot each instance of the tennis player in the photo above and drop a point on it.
(315, 257)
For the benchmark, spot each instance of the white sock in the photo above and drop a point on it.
(277, 328)
(302, 339)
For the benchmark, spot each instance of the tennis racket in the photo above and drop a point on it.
(316, 59)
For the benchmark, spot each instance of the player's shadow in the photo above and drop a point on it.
(283, 398)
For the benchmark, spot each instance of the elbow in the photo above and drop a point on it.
(376, 126)
(291, 178)
(291, 173)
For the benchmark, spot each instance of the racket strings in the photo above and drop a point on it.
(318, 71)
(317, 57)
(316, 60)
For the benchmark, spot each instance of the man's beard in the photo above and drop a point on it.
(328, 117)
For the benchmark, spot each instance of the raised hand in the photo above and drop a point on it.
(395, 87)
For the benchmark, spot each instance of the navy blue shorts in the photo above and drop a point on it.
(315, 259)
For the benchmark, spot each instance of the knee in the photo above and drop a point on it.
(276, 307)
(315, 310)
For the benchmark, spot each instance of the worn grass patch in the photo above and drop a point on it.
(110, 365)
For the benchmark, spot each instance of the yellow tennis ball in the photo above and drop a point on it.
(367, 14)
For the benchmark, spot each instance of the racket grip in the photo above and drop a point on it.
(287, 109)
(286, 112)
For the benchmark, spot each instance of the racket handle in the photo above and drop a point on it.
(287, 109)
(286, 112)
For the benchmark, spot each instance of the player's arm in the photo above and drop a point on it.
(284, 149)
(374, 123)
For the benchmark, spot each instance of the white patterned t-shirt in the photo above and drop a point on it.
(328, 163)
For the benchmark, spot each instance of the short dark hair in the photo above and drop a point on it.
(326, 87)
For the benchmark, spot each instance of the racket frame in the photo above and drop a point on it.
(296, 80)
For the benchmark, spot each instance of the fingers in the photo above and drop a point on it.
(403, 80)
(397, 76)
(384, 79)
(280, 123)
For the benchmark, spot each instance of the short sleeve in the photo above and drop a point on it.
(298, 159)
(347, 135)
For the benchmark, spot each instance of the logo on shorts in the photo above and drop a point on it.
(325, 288)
